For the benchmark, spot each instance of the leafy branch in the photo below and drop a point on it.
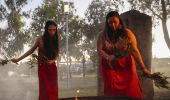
(160, 80)
(33, 60)
(4, 61)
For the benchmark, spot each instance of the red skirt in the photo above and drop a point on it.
(48, 81)
(121, 80)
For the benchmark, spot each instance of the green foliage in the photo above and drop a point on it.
(160, 80)
(151, 7)
(15, 21)
(12, 37)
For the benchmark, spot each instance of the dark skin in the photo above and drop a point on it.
(51, 30)
(115, 24)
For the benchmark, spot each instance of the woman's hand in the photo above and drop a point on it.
(109, 45)
(110, 59)
(15, 60)
(146, 72)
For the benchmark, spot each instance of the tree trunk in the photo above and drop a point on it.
(70, 62)
(164, 26)
(84, 67)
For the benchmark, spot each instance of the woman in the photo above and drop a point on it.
(48, 50)
(118, 50)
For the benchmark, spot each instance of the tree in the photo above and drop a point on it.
(160, 9)
(13, 36)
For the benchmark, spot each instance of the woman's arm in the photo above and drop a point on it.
(135, 51)
(30, 51)
(100, 45)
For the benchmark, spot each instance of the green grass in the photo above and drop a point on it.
(83, 92)
(87, 87)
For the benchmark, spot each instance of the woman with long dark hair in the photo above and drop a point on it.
(118, 51)
(48, 50)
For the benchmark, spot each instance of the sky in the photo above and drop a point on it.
(159, 48)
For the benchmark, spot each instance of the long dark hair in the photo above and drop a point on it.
(112, 35)
(51, 48)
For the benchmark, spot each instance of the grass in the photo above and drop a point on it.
(86, 86)
(26, 88)
(83, 92)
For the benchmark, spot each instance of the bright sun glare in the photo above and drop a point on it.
(159, 47)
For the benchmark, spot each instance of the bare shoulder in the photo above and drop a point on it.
(39, 39)
(131, 36)
(101, 35)
(129, 32)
